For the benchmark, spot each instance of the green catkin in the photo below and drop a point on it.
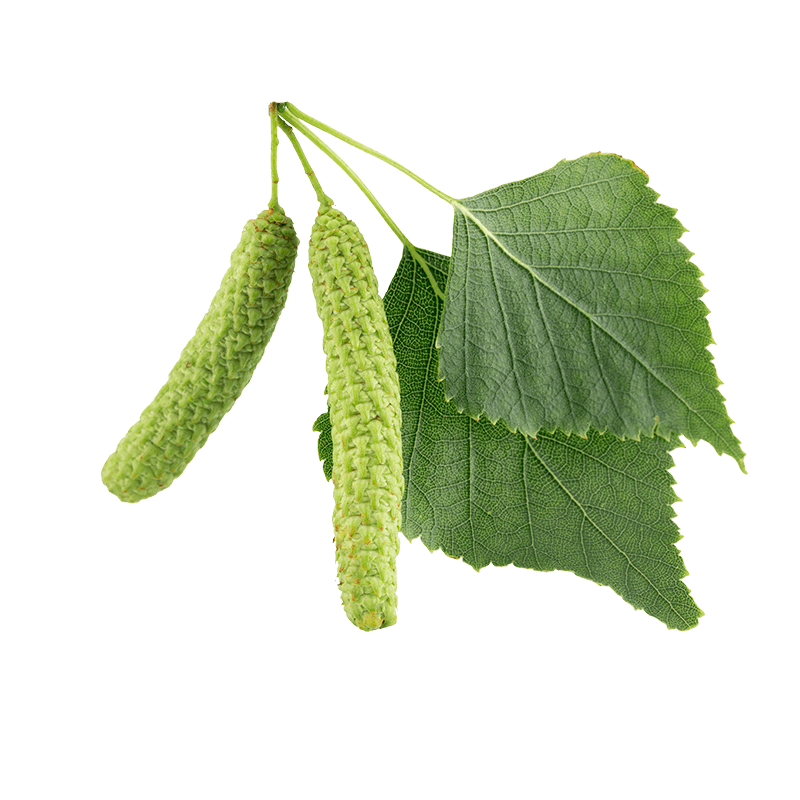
(215, 365)
(364, 398)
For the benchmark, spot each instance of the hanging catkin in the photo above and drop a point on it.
(215, 365)
(364, 397)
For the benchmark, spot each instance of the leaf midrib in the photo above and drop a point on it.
(532, 270)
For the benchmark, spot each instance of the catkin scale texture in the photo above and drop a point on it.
(215, 365)
(364, 399)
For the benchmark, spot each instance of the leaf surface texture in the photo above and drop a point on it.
(572, 304)
(597, 506)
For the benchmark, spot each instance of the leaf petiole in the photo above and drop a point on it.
(288, 108)
(288, 117)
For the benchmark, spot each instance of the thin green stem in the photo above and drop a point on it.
(321, 196)
(288, 108)
(273, 117)
(371, 197)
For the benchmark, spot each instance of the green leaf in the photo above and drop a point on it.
(571, 304)
(325, 443)
(599, 507)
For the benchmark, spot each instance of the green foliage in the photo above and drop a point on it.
(524, 416)
(599, 507)
(322, 425)
(215, 365)
(571, 304)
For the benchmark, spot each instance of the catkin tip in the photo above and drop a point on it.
(370, 622)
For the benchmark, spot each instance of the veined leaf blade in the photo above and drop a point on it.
(572, 304)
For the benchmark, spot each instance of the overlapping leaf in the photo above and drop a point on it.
(599, 507)
(571, 304)
(322, 426)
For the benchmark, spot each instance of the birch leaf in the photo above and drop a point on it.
(599, 507)
(572, 304)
